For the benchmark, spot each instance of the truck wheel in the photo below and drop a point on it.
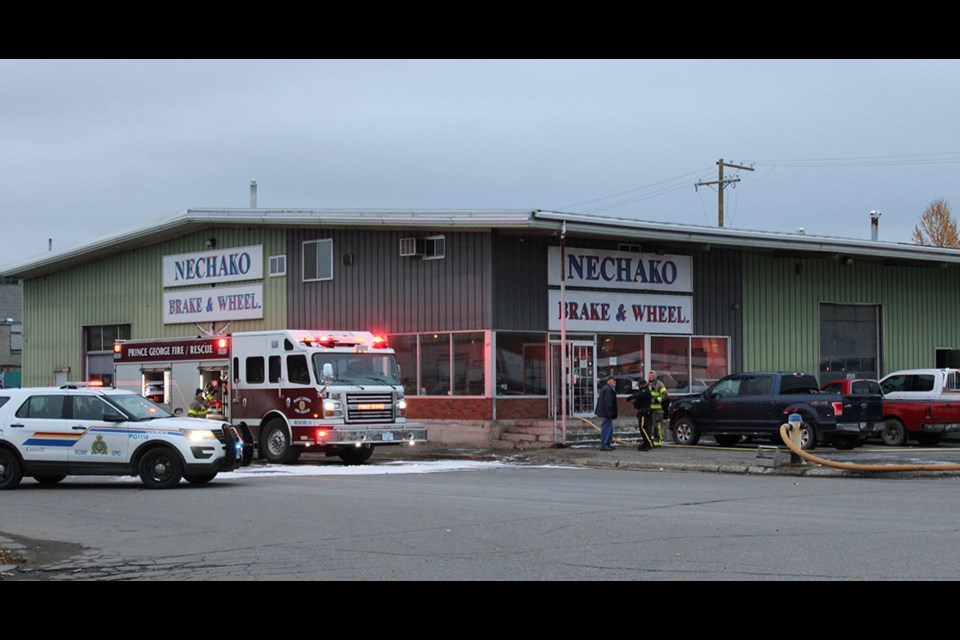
(685, 432)
(357, 455)
(894, 433)
(200, 479)
(161, 468)
(275, 444)
(10, 470)
(808, 436)
(48, 479)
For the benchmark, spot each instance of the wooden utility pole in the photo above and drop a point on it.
(721, 185)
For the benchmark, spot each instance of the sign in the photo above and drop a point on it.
(211, 267)
(623, 270)
(213, 304)
(605, 312)
(198, 349)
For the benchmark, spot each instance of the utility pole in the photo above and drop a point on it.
(721, 185)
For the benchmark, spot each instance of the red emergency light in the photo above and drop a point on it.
(322, 434)
(95, 383)
(222, 343)
(379, 342)
(117, 348)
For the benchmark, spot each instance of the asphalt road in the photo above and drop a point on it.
(492, 520)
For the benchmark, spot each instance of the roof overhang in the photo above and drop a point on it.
(667, 236)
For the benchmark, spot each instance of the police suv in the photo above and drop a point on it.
(50, 433)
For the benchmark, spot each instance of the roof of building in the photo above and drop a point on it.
(655, 235)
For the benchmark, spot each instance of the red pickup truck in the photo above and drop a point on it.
(859, 387)
(921, 405)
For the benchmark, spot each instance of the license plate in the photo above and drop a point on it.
(387, 436)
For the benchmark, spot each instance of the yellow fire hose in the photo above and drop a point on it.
(785, 436)
(861, 467)
(617, 440)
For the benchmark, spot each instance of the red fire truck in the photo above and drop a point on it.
(288, 391)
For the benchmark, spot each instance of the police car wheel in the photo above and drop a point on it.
(160, 469)
(10, 470)
(48, 479)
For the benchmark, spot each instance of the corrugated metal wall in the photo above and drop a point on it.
(717, 299)
(126, 288)
(919, 309)
(520, 282)
(382, 291)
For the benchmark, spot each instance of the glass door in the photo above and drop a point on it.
(581, 384)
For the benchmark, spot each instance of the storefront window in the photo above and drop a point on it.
(620, 356)
(521, 364)
(670, 358)
(435, 364)
(468, 364)
(709, 361)
(406, 350)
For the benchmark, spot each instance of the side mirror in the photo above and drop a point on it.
(327, 372)
(114, 416)
(178, 411)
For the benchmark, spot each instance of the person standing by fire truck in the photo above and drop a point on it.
(200, 406)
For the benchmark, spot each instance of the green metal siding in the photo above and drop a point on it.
(918, 310)
(126, 288)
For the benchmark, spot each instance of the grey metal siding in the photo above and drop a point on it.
(520, 280)
(382, 291)
(717, 299)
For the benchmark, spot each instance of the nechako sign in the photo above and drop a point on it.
(602, 311)
(213, 304)
(621, 270)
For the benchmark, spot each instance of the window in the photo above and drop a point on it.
(274, 366)
(468, 364)
(621, 356)
(435, 364)
(318, 260)
(101, 338)
(297, 370)
(88, 408)
(278, 265)
(434, 248)
(255, 370)
(521, 364)
(849, 341)
(49, 407)
(405, 348)
(16, 338)
(759, 386)
(670, 357)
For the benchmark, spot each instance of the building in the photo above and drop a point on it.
(11, 332)
(472, 301)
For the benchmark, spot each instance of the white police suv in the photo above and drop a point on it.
(50, 433)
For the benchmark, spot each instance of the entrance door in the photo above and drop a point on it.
(581, 381)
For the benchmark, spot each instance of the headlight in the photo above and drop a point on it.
(196, 435)
(401, 404)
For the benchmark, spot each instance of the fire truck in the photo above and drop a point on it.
(287, 391)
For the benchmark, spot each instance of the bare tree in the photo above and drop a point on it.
(937, 226)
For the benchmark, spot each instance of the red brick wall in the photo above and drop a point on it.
(449, 408)
(519, 408)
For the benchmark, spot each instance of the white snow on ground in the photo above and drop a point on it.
(338, 469)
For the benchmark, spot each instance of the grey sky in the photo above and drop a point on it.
(92, 148)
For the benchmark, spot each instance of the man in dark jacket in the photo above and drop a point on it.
(641, 399)
(607, 411)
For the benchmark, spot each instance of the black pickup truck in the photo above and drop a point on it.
(756, 404)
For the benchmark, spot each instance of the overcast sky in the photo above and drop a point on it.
(92, 148)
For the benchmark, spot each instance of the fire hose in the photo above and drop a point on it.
(784, 435)
(852, 466)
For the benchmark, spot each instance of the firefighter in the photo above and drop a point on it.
(641, 399)
(200, 406)
(658, 400)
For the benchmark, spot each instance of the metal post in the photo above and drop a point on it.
(563, 337)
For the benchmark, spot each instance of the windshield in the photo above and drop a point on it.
(358, 368)
(138, 407)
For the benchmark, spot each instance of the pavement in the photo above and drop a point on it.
(757, 459)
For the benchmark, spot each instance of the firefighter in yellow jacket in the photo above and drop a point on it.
(200, 405)
(658, 393)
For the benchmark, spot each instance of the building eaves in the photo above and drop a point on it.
(667, 235)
